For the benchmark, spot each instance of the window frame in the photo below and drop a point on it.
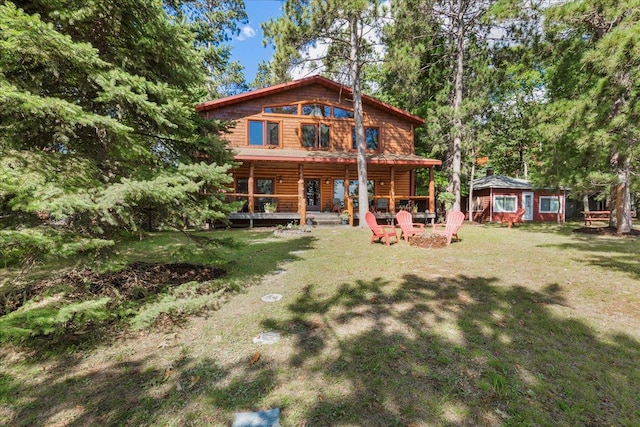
(265, 132)
(366, 129)
(317, 136)
(556, 198)
(504, 196)
(323, 107)
(282, 113)
(348, 117)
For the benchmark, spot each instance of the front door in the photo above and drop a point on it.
(312, 194)
(527, 204)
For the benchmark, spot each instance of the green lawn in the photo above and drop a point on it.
(530, 326)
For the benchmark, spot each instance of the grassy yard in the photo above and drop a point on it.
(530, 326)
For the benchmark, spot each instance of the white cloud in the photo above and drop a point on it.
(247, 32)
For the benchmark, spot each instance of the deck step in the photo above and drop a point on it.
(325, 218)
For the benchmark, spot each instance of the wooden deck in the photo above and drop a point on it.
(264, 219)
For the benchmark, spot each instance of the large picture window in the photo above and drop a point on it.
(549, 204)
(263, 133)
(354, 187)
(505, 203)
(316, 136)
(371, 136)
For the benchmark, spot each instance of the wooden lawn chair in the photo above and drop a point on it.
(451, 227)
(406, 224)
(380, 231)
(515, 218)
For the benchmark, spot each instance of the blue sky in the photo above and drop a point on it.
(247, 48)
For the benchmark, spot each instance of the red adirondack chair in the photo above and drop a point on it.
(451, 227)
(515, 218)
(380, 231)
(408, 227)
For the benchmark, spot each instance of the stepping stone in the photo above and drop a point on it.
(269, 418)
(271, 297)
(267, 338)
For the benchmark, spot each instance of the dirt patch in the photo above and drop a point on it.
(428, 240)
(135, 282)
(606, 231)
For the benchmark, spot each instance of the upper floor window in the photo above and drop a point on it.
(282, 109)
(341, 113)
(549, 204)
(316, 110)
(371, 136)
(316, 136)
(264, 133)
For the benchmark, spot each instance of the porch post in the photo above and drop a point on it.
(250, 185)
(392, 191)
(302, 203)
(346, 182)
(432, 192)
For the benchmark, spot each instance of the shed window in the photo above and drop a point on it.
(505, 203)
(549, 204)
(264, 133)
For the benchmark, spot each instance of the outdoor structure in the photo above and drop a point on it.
(295, 146)
(496, 196)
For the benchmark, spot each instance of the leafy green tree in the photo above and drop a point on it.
(214, 23)
(98, 132)
(345, 27)
(593, 76)
(436, 65)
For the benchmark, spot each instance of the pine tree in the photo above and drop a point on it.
(345, 26)
(97, 127)
(593, 76)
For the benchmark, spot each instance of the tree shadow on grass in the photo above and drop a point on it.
(130, 393)
(121, 392)
(77, 319)
(459, 351)
(611, 253)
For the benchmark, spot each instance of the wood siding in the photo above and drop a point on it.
(486, 214)
(396, 135)
(285, 181)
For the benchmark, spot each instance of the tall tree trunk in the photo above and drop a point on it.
(620, 217)
(363, 195)
(585, 202)
(471, 204)
(456, 164)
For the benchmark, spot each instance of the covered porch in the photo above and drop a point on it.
(293, 184)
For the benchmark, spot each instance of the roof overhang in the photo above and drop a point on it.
(328, 157)
(323, 81)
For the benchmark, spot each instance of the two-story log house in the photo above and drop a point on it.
(295, 143)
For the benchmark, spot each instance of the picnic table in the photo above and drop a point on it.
(595, 216)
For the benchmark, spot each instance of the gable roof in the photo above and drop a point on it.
(295, 84)
(501, 181)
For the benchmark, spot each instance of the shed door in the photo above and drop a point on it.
(527, 204)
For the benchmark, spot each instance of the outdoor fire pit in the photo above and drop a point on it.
(428, 240)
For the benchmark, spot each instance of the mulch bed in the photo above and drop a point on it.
(428, 240)
(606, 231)
(137, 281)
